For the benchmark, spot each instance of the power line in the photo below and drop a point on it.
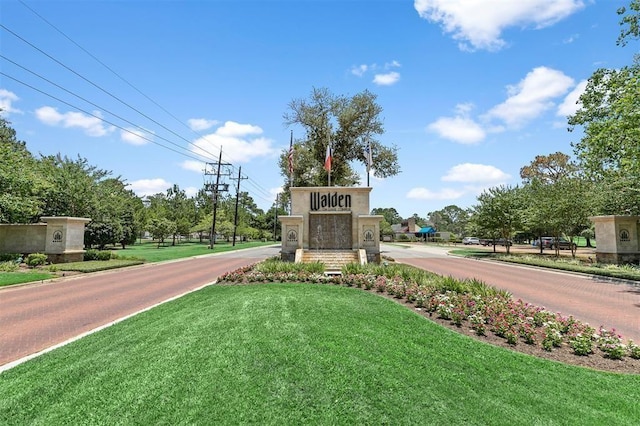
(95, 116)
(255, 184)
(84, 99)
(97, 86)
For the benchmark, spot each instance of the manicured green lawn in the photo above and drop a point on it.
(151, 252)
(302, 354)
(10, 278)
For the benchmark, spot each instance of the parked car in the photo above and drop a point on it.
(564, 244)
(545, 241)
(470, 240)
(497, 242)
(551, 243)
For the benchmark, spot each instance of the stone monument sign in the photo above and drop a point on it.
(330, 218)
(60, 238)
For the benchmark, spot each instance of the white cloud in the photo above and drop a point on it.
(92, 126)
(441, 194)
(144, 187)
(570, 104)
(232, 129)
(571, 39)
(199, 124)
(193, 165)
(237, 141)
(134, 136)
(381, 79)
(7, 99)
(387, 79)
(359, 70)
(475, 173)
(458, 129)
(275, 191)
(191, 191)
(478, 24)
(475, 177)
(531, 96)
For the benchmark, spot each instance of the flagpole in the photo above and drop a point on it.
(290, 159)
(369, 161)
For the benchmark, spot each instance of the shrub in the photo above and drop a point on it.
(8, 266)
(36, 259)
(104, 255)
(552, 336)
(634, 350)
(581, 344)
(10, 257)
(91, 254)
(611, 344)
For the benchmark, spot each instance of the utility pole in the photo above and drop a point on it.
(275, 217)
(235, 217)
(215, 189)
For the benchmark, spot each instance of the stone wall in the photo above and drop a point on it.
(60, 238)
(23, 238)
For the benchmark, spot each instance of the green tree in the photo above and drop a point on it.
(181, 210)
(558, 197)
(102, 234)
(548, 168)
(160, 229)
(20, 182)
(385, 229)
(630, 23)
(117, 207)
(73, 186)
(350, 124)
(609, 149)
(451, 218)
(499, 212)
(390, 214)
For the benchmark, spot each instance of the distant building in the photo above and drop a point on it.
(408, 228)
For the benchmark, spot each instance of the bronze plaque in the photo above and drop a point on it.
(330, 231)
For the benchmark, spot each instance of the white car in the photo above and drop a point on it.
(470, 240)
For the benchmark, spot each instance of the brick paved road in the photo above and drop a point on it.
(35, 317)
(593, 300)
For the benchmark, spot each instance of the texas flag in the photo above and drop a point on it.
(327, 159)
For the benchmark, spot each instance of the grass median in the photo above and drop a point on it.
(150, 251)
(302, 354)
(147, 251)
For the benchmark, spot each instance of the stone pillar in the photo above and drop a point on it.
(292, 236)
(64, 241)
(369, 236)
(617, 239)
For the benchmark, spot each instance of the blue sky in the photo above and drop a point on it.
(471, 90)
